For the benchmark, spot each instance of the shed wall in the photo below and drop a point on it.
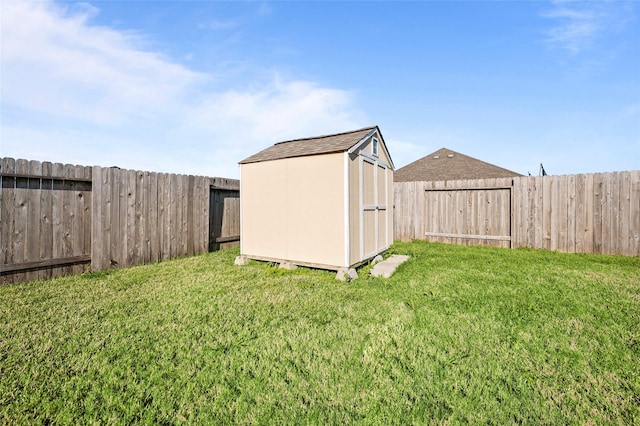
(293, 209)
(371, 231)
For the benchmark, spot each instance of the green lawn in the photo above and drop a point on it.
(458, 334)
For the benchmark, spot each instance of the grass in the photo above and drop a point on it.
(457, 335)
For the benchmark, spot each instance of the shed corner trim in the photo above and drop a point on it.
(346, 212)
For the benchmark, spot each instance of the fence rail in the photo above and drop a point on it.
(60, 219)
(587, 213)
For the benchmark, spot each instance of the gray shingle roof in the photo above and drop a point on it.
(311, 146)
(445, 164)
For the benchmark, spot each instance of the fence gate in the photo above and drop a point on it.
(472, 216)
(224, 218)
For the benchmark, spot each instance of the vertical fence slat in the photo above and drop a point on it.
(32, 246)
(21, 217)
(634, 202)
(571, 214)
(77, 211)
(184, 215)
(561, 213)
(625, 214)
(46, 212)
(119, 196)
(614, 240)
(173, 216)
(190, 243)
(164, 183)
(607, 206)
(521, 193)
(154, 237)
(598, 202)
(7, 210)
(97, 248)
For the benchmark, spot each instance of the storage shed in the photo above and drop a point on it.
(322, 202)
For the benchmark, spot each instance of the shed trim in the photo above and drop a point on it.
(241, 216)
(362, 141)
(376, 197)
(361, 204)
(373, 160)
(359, 144)
(347, 229)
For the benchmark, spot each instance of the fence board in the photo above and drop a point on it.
(21, 217)
(97, 248)
(33, 219)
(625, 213)
(7, 199)
(607, 212)
(163, 215)
(184, 241)
(571, 214)
(634, 197)
(561, 213)
(120, 196)
(110, 223)
(153, 235)
(598, 206)
(189, 246)
(521, 222)
(615, 212)
(46, 224)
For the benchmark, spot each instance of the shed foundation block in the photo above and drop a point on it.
(288, 266)
(241, 260)
(346, 274)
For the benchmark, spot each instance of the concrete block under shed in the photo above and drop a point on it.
(386, 268)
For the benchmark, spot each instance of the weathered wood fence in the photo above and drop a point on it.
(587, 213)
(60, 219)
(45, 219)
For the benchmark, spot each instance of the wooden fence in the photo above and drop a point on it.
(45, 219)
(588, 213)
(60, 219)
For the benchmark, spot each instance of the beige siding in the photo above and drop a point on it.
(263, 207)
(293, 209)
(369, 183)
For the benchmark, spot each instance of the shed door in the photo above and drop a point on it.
(375, 233)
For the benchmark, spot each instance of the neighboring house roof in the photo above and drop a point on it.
(446, 164)
(312, 146)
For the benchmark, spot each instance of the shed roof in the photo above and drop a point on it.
(445, 164)
(312, 146)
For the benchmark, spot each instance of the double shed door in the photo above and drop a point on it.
(374, 235)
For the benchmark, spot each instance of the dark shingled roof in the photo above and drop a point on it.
(445, 164)
(311, 146)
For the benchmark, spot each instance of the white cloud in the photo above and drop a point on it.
(276, 111)
(101, 96)
(580, 24)
(217, 24)
(55, 63)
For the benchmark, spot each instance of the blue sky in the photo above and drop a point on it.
(195, 87)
